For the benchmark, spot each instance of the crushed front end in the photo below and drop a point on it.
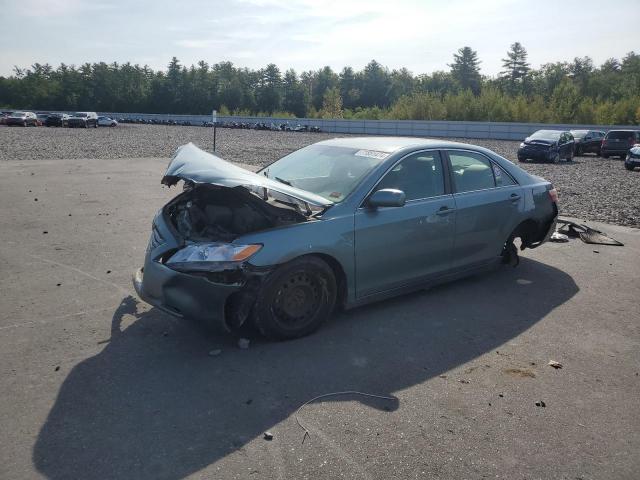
(195, 268)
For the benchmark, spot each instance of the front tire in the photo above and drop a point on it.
(556, 158)
(295, 299)
(628, 167)
(604, 155)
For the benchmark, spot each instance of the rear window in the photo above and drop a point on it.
(621, 134)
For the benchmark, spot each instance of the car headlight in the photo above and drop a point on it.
(522, 145)
(203, 256)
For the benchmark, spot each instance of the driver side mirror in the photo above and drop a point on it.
(387, 197)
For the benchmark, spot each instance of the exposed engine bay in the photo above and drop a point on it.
(205, 213)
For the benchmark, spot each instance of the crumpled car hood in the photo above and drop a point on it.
(195, 165)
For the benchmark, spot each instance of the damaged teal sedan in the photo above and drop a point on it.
(337, 224)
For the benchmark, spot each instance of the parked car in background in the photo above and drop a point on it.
(84, 120)
(3, 118)
(107, 122)
(42, 117)
(587, 141)
(547, 146)
(633, 157)
(24, 119)
(618, 142)
(57, 120)
(341, 222)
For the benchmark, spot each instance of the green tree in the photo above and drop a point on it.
(294, 94)
(516, 68)
(375, 86)
(269, 87)
(325, 79)
(465, 69)
(332, 104)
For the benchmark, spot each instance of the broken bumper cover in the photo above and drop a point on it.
(183, 295)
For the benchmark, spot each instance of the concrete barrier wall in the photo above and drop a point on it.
(412, 128)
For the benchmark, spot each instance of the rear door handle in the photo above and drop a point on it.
(514, 197)
(445, 211)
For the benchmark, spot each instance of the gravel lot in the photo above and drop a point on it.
(590, 188)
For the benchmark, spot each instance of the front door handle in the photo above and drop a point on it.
(445, 211)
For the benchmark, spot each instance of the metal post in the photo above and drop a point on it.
(214, 120)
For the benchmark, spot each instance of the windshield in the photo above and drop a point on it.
(80, 114)
(18, 114)
(546, 135)
(329, 171)
(579, 133)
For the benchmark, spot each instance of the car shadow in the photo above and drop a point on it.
(153, 404)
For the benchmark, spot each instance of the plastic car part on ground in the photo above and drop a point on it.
(559, 237)
(585, 233)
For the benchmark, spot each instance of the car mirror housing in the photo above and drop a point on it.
(387, 197)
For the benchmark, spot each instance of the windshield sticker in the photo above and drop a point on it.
(371, 154)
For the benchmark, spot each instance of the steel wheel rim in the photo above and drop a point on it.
(297, 301)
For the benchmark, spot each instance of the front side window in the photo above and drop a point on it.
(471, 172)
(419, 175)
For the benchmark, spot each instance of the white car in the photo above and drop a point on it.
(107, 122)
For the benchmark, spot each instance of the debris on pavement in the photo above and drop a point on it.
(585, 233)
(268, 436)
(243, 343)
(559, 237)
(520, 372)
(554, 364)
(540, 403)
(333, 394)
(215, 352)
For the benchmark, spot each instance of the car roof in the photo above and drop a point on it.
(390, 144)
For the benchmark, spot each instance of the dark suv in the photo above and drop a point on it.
(83, 120)
(618, 142)
(587, 141)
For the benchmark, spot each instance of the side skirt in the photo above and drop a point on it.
(424, 284)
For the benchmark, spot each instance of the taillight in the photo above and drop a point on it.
(553, 193)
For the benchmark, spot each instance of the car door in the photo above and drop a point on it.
(488, 201)
(401, 246)
(563, 144)
(590, 141)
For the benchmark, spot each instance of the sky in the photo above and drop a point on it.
(421, 35)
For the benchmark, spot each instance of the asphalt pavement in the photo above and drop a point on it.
(95, 384)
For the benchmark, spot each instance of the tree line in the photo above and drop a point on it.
(566, 92)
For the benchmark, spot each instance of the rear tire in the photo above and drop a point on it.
(295, 299)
